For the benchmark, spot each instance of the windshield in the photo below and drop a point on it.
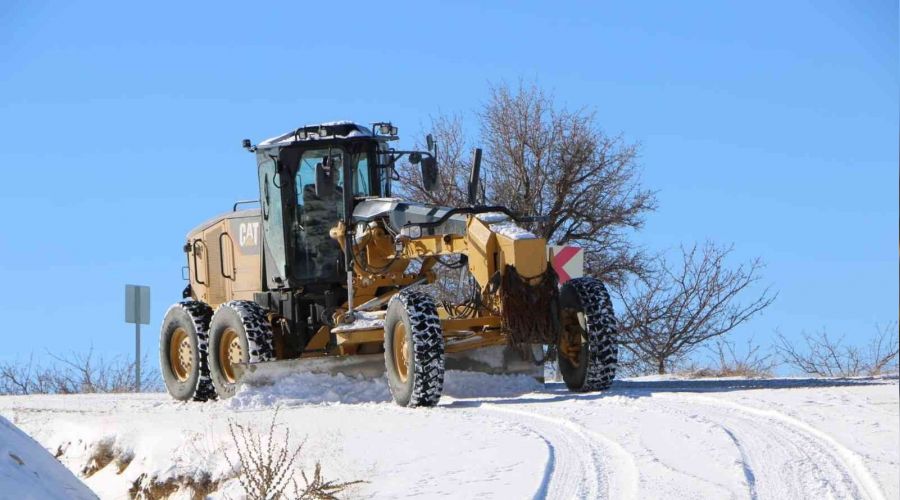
(330, 164)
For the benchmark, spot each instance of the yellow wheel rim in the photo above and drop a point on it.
(401, 352)
(573, 336)
(181, 355)
(230, 354)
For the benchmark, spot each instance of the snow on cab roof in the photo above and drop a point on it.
(341, 129)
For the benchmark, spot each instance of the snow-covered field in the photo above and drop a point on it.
(503, 437)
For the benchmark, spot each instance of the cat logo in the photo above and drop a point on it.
(245, 232)
(248, 234)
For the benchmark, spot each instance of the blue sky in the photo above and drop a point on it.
(769, 125)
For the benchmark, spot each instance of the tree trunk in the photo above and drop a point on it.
(662, 366)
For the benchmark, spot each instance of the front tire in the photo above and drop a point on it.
(183, 347)
(588, 346)
(239, 332)
(414, 349)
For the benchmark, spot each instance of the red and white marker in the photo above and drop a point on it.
(568, 262)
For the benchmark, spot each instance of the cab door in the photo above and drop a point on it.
(272, 211)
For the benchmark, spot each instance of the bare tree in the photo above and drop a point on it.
(544, 160)
(826, 356)
(729, 361)
(74, 373)
(19, 378)
(670, 312)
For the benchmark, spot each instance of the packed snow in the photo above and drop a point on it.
(505, 437)
(501, 224)
(29, 472)
(363, 320)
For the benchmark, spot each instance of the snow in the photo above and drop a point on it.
(28, 471)
(363, 320)
(510, 437)
(501, 224)
(491, 217)
(312, 388)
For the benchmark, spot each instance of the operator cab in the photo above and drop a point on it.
(310, 179)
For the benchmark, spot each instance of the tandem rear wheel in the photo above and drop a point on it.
(183, 346)
(239, 332)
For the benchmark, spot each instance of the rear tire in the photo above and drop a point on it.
(587, 317)
(183, 347)
(239, 332)
(414, 349)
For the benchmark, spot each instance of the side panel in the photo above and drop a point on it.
(245, 238)
(224, 260)
(219, 287)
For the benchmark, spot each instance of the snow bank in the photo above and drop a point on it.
(27, 471)
(312, 388)
(304, 388)
(459, 384)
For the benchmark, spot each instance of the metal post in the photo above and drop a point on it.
(137, 311)
(137, 356)
(137, 342)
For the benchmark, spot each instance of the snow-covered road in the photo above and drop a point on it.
(507, 437)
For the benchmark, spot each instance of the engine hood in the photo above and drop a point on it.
(400, 213)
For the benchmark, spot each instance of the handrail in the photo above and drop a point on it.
(197, 243)
(242, 202)
(476, 210)
(222, 257)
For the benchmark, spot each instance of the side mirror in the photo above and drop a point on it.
(475, 177)
(429, 173)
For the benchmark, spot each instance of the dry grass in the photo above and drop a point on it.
(102, 454)
(152, 488)
(265, 466)
(727, 360)
(824, 355)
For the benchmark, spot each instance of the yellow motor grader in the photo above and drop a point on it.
(331, 270)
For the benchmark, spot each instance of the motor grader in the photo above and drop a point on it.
(331, 269)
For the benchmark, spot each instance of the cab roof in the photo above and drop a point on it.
(322, 132)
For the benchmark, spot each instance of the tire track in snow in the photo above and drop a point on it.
(782, 456)
(572, 469)
(749, 474)
(578, 464)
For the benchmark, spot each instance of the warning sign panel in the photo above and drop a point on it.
(568, 262)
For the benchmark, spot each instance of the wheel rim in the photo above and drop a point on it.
(401, 352)
(181, 355)
(573, 336)
(230, 354)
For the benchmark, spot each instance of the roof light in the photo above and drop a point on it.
(386, 128)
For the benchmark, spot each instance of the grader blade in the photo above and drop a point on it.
(500, 360)
(363, 365)
(495, 360)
